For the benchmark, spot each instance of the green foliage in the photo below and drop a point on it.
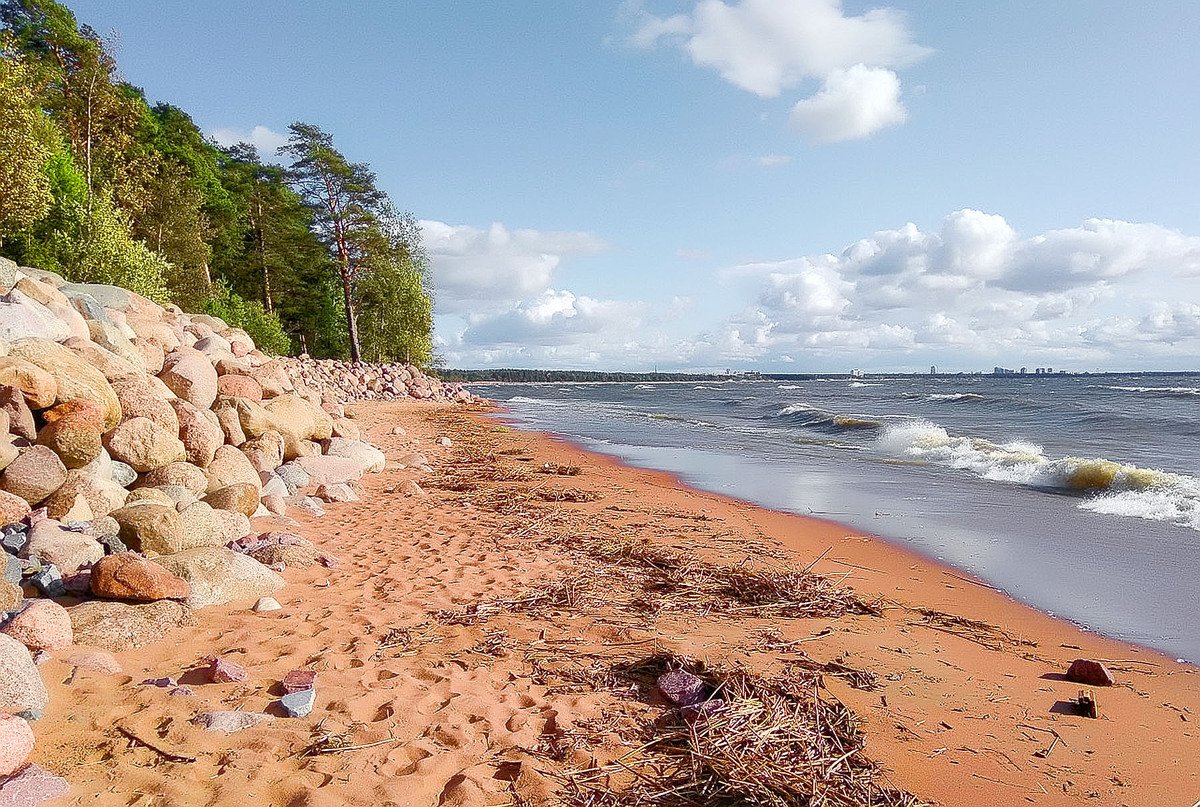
(264, 328)
(101, 250)
(26, 143)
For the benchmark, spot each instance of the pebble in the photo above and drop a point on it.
(298, 704)
(223, 671)
(681, 688)
(298, 681)
(1093, 673)
(265, 604)
(230, 722)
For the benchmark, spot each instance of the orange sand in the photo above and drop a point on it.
(452, 714)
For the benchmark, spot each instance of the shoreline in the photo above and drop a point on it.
(448, 676)
(914, 555)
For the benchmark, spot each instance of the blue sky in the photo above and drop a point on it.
(774, 184)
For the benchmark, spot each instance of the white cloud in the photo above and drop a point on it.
(554, 318)
(852, 104)
(267, 141)
(772, 160)
(767, 47)
(496, 265)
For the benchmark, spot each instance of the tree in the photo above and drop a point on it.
(345, 201)
(27, 141)
(395, 308)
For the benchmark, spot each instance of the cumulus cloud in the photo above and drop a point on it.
(851, 105)
(766, 47)
(553, 318)
(473, 266)
(267, 141)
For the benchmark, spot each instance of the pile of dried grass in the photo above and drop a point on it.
(777, 743)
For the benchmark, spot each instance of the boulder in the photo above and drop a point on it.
(253, 417)
(144, 445)
(330, 470)
(43, 625)
(176, 473)
(101, 495)
(293, 476)
(292, 551)
(110, 365)
(231, 425)
(142, 398)
(200, 430)
(1092, 673)
(74, 376)
(238, 498)
(117, 626)
(66, 549)
(22, 316)
(152, 529)
(230, 467)
(20, 417)
(239, 386)
(110, 337)
(89, 659)
(297, 416)
(367, 455)
(12, 508)
(202, 525)
(34, 475)
(21, 685)
(153, 357)
(336, 493)
(11, 594)
(16, 744)
(219, 575)
(128, 576)
(344, 427)
(162, 335)
(73, 430)
(191, 376)
(38, 386)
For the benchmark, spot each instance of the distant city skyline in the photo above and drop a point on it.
(800, 186)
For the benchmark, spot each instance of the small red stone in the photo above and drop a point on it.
(222, 671)
(1086, 671)
(299, 680)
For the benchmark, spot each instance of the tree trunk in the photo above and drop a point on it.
(268, 302)
(351, 322)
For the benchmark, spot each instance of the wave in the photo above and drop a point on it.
(521, 399)
(643, 386)
(944, 397)
(864, 384)
(1114, 488)
(809, 416)
(1185, 392)
(788, 386)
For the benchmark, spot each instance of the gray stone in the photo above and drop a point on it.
(230, 722)
(219, 575)
(49, 581)
(12, 569)
(123, 474)
(298, 704)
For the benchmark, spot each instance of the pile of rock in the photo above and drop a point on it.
(347, 382)
(136, 442)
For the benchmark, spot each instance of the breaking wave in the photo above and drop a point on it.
(521, 399)
(945, 397)
(1173, 392)
(809, 416)
(1112, 487)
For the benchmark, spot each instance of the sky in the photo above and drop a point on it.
(775, 185)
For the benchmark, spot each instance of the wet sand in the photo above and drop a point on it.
(436, 666)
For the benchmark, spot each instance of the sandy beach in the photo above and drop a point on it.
(485, 643)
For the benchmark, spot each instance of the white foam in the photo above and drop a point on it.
(1150, 390)
(521, 399)
(864, 384)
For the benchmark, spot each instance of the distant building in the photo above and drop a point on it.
(1024, 371)
(933, 369)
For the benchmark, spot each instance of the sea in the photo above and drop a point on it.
(1079, 495)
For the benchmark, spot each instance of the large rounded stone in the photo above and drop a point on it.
(68, 550)
(34, 475)
(102, 495)
(367, 455)
(161, 334)
(218, 575)
(200, 431)
(112, 366)
(201, 525)
(236, 385)
(183, 474)
(140, 397)
(21, 685)
(38, 386)
(152, 529)
(300, 417)
(43, 625)
(22, 316)
(20, 416)
(191, 376)
(74, 376)
(117, 626)
(128, 576)
(16, 744)
(12, 508)
(238, 498)
(73, 431)
(150, 496)
(230, 467)
(144, 445)
(231, 425)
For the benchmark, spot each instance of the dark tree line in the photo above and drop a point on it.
(98, 184)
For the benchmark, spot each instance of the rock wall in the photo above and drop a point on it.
(136, 443)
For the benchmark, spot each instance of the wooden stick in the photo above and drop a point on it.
(167, 755)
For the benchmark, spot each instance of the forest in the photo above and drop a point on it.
(100, 185)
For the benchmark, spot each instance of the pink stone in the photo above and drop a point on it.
(99, 660)
(44, 625)
(299, 681)
(16, 744)
(681, 687)
(223, 671)
(34, 785)
(1086, 671)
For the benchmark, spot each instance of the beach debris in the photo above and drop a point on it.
(227, 722)
(161, 683)
(1086, 704)
(224, 671)
(298, 704)
(16, 743)
(32, 785)
(681, 687)
(981, 633)
(167, 755)
(559, 470)
(298, 681)
(702, 711)
(399, 431)
(1092, 673)
(266, 604)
